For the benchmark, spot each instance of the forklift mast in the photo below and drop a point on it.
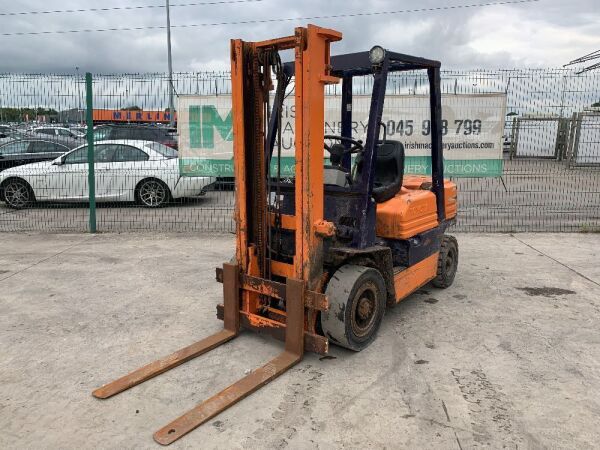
(254, 138)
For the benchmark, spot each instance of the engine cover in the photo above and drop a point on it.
(413, 209)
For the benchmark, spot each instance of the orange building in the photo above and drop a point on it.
(117, 115)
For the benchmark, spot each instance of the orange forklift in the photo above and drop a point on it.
(318, 255)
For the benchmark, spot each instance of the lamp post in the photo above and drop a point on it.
(79, 97)
(171, 102)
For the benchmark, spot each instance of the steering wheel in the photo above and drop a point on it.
(337, 151)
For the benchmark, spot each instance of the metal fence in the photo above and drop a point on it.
(550, 180)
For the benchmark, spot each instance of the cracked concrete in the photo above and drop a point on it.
(509, 356)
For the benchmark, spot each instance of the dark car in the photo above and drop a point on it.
(11, 134)
(165, 136)
(30, 150)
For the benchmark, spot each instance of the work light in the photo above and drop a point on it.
(376, 55)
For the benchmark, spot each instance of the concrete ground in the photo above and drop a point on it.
(508, 357)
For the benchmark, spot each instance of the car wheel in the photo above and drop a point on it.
(153, 193)
(17, 193)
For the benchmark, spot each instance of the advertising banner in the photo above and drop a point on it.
(472, 129)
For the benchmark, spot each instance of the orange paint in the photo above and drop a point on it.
(312, 73)
(409, 213)
(424, 182)
(288, 222)
(312, 67)
(282, 269)
(261, 322)
(451, 199)
(413, 210)
(237, 107)
(412, 278)
(117, 115)
(284, 43)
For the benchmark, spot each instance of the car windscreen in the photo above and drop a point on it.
(13, 148)
(15, 134)
(45, 131)
(46, 147)
(101, 133)
(165, 151)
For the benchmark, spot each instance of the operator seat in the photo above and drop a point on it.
(389, 170)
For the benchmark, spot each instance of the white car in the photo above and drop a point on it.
(59, 131)
(125, 170)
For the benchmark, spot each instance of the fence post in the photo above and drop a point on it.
(90, 142)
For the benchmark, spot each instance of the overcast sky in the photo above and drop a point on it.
(547, 33)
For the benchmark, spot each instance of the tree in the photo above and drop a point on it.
(596, 105)
(19, 114)
(131, 108)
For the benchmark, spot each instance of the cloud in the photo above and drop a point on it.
(545, 33)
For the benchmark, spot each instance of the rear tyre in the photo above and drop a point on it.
(153, 193)
(357, 297)
(447, 263)
(17, 194)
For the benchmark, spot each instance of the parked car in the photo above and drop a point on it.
(79, 130)
(142, 171)
(165, 136)
(11, 135)
(29, 150)
(58, 131)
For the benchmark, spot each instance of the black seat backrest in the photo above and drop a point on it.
(389, 170)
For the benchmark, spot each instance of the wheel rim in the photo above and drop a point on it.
(16, 194)
(153, 193)
(364, 310)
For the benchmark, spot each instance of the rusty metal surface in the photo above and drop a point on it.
(282, 269)
(232, 326)
(226, 398)
(283, 43)
(162, 365)
(294, 333)
(316, 300)
(312, 342)
(294, 349)
(265, 287)
(231, 297)
(312, 72)
(238, 107)
(324, 228)
(274, 289)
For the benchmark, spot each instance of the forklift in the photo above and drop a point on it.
(321, 254)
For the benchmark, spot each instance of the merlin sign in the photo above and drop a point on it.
(116, 115)
(472, 128)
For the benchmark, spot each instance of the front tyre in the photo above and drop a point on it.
(17, 193)
(153, 193)
(357, 296)
(447, 263)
